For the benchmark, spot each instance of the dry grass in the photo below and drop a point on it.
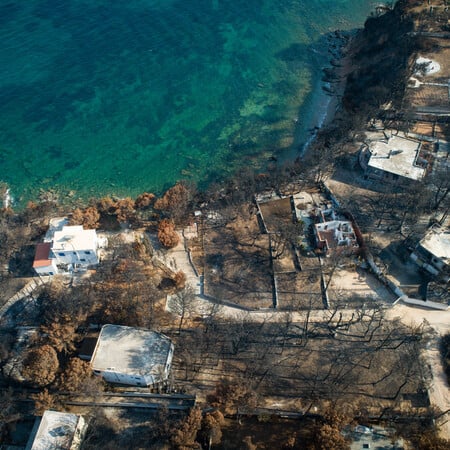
(276, 212)
(427, 96)
(237, 263)
(300, 291)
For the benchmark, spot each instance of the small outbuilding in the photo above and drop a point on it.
(132, 356)
(57, 430)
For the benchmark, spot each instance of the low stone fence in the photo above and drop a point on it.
(24, 292)
(189, 254)
(425, 304)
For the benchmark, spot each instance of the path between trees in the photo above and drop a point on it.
(26, 291)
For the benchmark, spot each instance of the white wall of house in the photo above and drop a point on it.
(438, 263)
(112, 376)
(51, 269)
(134, 379)
(132, 356)
(84, 257)
(66, 248)
(424, 255)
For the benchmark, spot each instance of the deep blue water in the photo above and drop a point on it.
(106, 96)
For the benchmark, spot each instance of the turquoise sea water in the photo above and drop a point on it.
(106, 96)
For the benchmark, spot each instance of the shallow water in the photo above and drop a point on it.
(104, 96)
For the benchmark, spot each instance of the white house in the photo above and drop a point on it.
(395, 159)
(57, 430)
(132, 356)
(335, 234)
(76, 246)
(433, 252)
(66, 249)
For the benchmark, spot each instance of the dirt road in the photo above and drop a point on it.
(440, 323)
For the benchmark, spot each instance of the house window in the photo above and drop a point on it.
(97, 371)
(74, 253)
(61, 254)
(87, 252)
(82, 260)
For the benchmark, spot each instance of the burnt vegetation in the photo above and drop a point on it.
(360, 358)
(382, 62)
(317, 366)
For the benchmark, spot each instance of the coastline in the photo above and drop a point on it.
(122, 125)
(328, 102)
(333, 84)
(325, 102)
(245, 260)
(5, 196)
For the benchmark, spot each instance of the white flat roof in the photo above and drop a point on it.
(397, 155)
(131, 350)
(55, 224)
(437, 242)
(56, 430)
(74, 238)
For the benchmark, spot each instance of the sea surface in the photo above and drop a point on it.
(119, 97)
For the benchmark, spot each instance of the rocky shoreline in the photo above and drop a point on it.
(334, 77)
